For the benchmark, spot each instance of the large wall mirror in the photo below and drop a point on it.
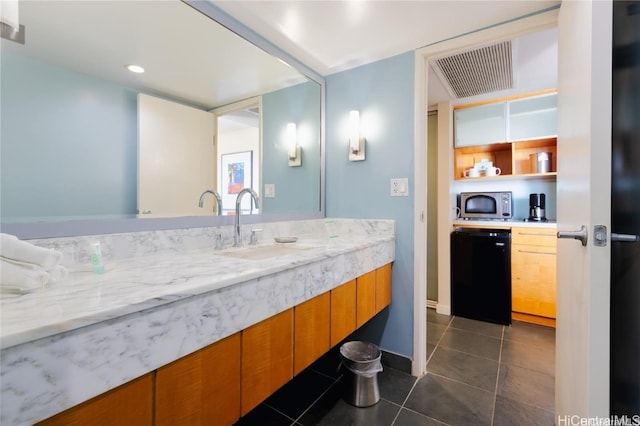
(73, 117)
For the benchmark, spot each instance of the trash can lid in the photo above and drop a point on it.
(360, 351)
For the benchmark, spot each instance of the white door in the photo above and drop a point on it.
(176, 158)
(583, 198)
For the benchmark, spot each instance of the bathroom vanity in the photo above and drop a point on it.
(173, 320)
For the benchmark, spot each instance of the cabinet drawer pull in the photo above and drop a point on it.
(537, 252)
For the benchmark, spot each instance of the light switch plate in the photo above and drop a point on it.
(269, 190)
(400, 187)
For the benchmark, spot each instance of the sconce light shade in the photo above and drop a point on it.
(10, 22)
(356, 143)
(294, 150)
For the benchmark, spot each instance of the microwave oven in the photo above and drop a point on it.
(486, 205)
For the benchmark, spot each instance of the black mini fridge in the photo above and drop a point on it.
(481, 274)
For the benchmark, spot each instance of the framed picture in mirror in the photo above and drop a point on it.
(235, 175)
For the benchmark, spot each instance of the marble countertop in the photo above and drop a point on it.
(144, 282)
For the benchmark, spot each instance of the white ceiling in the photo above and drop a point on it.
(331, 36)
(187, 56)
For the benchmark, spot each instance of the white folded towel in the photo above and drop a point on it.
(13, 248)
(15, 278)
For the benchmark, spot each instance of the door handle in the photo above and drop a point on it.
(581, 235)
(600, 236)
(625, 238)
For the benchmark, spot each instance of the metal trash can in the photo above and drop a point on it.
(362, 363)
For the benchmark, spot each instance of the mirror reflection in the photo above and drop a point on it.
(83, 137)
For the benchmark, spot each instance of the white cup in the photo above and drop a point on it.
(470, 173)
(493, 171)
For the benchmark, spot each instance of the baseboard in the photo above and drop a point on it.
(443, 309)
(396, 361)
(432, 304)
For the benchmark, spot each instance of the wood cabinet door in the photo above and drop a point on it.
(202, 388)
(312, 331)
(383, 287)
(533, 280)
(129, 404)
(343, 311)
(267, 358)
(365, 297)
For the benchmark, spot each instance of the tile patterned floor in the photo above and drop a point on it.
(478, 374)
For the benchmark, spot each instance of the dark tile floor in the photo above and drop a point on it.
(478, 374)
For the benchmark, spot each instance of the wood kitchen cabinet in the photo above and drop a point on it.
(533, 275)
(129, 404)
(267, 358)
(512, 158)
(529, 127)
(202, 388)
(312, 331)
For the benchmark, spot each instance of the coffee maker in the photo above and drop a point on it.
(537, 204)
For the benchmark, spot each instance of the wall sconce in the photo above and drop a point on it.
(10, 22)
(356, 143)
(294, 150)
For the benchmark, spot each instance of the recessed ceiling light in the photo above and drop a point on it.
(135, 68)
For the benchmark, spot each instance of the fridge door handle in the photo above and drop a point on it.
(581, 235)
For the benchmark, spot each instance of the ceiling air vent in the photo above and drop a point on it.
(476, 72)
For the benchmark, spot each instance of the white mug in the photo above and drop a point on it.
(473, 172)
(493, 171)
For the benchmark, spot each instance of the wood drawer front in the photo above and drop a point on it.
(383, 287)
(267, 359)
(343, 311)
(312, 331)
(201, 388)
(534, 237)
(365, 298)
(533, 280)
(128, 404)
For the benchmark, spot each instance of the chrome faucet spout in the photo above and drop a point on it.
(217, 197)
(237, 238)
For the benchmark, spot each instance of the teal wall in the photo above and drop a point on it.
(65, 136)
(383, 92)
(297, 188)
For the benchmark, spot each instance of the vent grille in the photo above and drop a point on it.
(479, 71)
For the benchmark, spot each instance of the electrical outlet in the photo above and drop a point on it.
(400, 187)
(269, 190)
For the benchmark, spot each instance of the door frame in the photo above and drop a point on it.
(446, 198)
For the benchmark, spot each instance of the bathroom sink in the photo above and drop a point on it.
(263, 251)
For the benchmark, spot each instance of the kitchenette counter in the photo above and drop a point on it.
(504, 224)
(161, 298)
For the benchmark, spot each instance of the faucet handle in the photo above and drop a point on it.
(254, 236)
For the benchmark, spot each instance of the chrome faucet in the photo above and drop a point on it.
(237, 238)
(217, 197)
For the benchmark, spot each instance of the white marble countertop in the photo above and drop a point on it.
(132, 285)
(164, 295)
